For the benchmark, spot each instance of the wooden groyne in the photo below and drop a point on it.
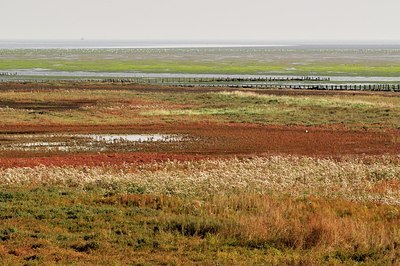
(185, 82)
(8, 73)
(258, 83)
(368, 87)
(247, 79)
(171, 80)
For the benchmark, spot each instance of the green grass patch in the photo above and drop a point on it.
(233, 67)
(331, 62)
(48, 225)
(287, 110)
(121, 107)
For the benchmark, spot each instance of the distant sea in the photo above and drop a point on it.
(83, 44)
(91, 44)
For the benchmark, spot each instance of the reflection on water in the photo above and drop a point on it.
(40, 144)
(84, 142)
(110, 138)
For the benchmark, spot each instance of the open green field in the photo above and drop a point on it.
(125, 107)
(147, 66)
(273, 61)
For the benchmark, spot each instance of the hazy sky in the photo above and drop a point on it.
(196, 20)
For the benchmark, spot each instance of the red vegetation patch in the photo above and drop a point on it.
(311, 141)
(210, 139)
(220, 140)
(94, 159)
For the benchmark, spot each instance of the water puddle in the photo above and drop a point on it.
(110, 138)
(40, 144)
(86, 142)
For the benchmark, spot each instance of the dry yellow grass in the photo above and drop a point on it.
(375, 180)
(261, 210)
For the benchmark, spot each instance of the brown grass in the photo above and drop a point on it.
(238, 229)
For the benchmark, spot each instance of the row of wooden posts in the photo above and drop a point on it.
(217, 79)
(350, 87)
(8, 73)
(242, 79)
(188, 82)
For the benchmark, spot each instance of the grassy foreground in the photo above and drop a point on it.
(278, 210)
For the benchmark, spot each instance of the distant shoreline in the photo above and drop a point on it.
(125, 45)
(32, 44)
(148, 47)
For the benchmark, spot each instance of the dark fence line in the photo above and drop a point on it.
(201, 80)
(8, 73)
(217, 79)
(22, 80)
(367, 87)
(186, 83)
(349, 87)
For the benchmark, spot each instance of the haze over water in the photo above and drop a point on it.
(126, 44)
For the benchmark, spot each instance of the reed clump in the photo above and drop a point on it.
(374, 180)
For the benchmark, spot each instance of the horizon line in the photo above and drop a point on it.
(335, 41)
